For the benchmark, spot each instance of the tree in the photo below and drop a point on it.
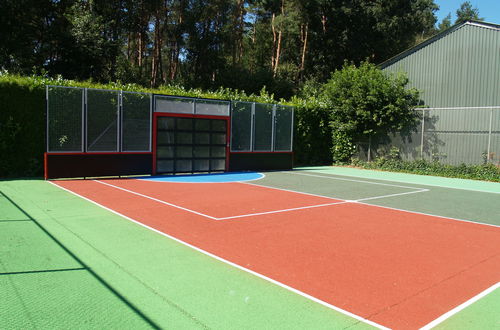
(466, 12)
(356, 30)
(445, 23)
(366, 105)
(242, 44)
(31, 33)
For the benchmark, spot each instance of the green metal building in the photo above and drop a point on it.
(458, 74)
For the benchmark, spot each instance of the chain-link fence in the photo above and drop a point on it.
(469, 135)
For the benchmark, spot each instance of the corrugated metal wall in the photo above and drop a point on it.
(460, 69)
(450, 136)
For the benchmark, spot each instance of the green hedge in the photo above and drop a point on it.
(22, 127)
(22, 120)
(487, 172)
(313, 134)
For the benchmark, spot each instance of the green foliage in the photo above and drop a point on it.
(487, 172)
(466, 12)
(367, 104)
(240, 44)
(445, 23)
(312, 137)
(22, 127)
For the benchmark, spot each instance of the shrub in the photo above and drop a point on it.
(367, 104)
(488, 172)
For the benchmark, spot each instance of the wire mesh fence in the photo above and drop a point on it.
(261, 127)
(469, 135)
(96, 120)
(136, 121)
(65, 119)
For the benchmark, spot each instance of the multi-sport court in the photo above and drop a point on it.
(312, 248)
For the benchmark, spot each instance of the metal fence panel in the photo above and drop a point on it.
(469, 135)
(494, 154)
(102, 120)
(212, 107)
(283, 128)
(263, 127)
(455, 147)
(173, 104)
(241, 126)
(457, 135)
(136, 121)
(64, 119)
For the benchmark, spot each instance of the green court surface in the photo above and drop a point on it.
(68, 263)
(476, 316)
(138, 279)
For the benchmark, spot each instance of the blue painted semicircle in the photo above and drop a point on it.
(208, 178)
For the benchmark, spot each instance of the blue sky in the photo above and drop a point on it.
(488, 9)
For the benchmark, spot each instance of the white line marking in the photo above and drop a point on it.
(280, 211)
(156, 200)
(222, 218)
(352, 180)
(289, 190)
(358, 201)
(460, 307)
(432, 215)
(382, 179)
(387, 207)
(392, 195)
(289, 288)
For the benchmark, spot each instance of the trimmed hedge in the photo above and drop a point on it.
(487, 172)
(22, 120)
(22, 127)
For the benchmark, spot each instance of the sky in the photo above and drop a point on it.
(488, 9)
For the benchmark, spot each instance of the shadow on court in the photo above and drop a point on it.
(45, 285)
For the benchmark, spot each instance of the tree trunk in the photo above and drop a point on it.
(156, 65)
(278, 54)
(277, 42)
(304, 35)
(274, 42)
(238, 27)
(140, 48)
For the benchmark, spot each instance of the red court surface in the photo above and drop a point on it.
(399, 269)
(221, 200)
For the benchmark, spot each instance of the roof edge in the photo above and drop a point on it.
(436, 37)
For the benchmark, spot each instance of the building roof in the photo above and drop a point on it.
(436, 37)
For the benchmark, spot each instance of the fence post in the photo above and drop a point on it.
(422, 136)
(369, 148)
(489, 136)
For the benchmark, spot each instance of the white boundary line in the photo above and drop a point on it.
(460, 307)
(293, 191)
(392, 195)
(337, 201)
(351, 180)
(431, 215)
(281, 211)
(388, 207)
(157, 200)
(331, 176)
(289, 288)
